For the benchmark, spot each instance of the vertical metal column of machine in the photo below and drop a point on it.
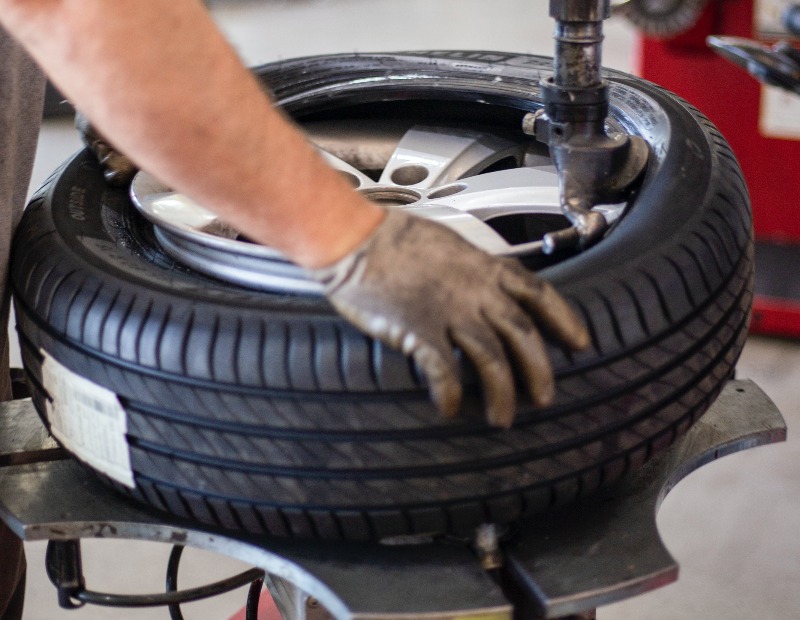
(594, 166)
(761, 123)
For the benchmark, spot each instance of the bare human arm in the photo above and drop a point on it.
(158, 80)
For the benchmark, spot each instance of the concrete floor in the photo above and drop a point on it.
(732, 525)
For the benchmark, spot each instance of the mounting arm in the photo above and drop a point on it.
(593, 165)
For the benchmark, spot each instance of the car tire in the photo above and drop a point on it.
(266, 412)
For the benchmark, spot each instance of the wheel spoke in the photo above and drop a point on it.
(510, 192)
(471, 228)
(505, 192)
(428, 157)
(356, 178)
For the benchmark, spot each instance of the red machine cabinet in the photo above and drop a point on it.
(746, 113)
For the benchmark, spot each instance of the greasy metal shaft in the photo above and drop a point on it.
(579, 37)
(577, 54)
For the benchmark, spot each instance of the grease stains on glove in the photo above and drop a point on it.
(419, 287)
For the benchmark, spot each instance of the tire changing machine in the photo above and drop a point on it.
(564, 564)
(760, 121)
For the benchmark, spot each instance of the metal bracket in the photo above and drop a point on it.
(776, 65)
(603, 549)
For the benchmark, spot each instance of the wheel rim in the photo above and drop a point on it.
(498, 191)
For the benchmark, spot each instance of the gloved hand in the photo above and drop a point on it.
(117, 169)
(419, 287)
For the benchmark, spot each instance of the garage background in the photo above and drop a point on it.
(733, 526)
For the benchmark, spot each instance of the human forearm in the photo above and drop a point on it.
(157, 78)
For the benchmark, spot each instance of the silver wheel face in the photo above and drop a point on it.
(498, 191)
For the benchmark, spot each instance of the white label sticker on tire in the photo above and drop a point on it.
(88, 420)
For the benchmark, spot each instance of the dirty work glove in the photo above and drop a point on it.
(117, 169)
(419, 287)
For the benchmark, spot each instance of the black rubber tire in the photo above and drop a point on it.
(268, 413)
(55, 104)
